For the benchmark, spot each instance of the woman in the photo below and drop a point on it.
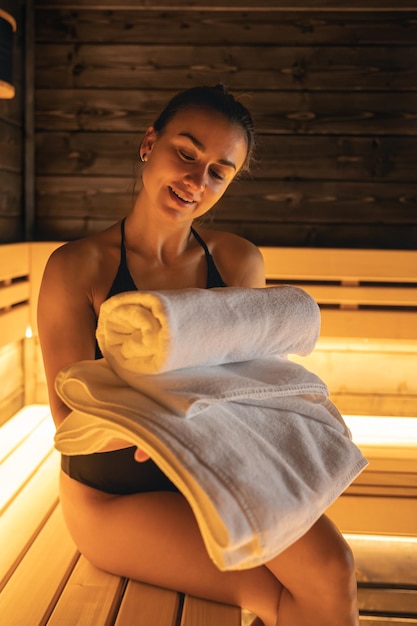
(125, 516)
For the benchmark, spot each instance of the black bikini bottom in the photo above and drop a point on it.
(116, 472)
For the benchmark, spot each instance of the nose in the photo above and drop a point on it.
(196, 179)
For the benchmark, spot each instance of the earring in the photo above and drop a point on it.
(143, 157)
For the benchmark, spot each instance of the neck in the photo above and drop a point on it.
(156, 239)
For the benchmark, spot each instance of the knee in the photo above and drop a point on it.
(340, 578)
(341, 566)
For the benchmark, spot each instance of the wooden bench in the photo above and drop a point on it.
(363, 294)
(44, 580)
(368, 345)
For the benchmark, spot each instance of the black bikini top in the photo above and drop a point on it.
(123, 280)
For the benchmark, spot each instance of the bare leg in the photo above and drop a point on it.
(318, 577)
(153, 537)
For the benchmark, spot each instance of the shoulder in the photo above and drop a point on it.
(83, 258)
(81, 271)
(239, 261)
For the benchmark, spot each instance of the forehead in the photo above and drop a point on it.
(213, 131)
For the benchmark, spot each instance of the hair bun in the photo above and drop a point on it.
(221, 87)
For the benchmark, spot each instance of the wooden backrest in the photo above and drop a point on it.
(21, 269)
(380, 285)
(14, 292)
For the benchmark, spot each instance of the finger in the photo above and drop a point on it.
(141, 456)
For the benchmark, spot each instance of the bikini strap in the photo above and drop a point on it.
(201, 242)
(122, 243)
(214, 278)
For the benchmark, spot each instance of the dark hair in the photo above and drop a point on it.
(217, 99)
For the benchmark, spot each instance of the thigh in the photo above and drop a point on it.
(154, 537)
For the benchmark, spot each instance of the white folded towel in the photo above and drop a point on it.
(254, 445)
(150, 332)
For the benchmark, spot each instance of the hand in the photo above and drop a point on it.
(141, 456)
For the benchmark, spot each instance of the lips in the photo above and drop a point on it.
(181, 197)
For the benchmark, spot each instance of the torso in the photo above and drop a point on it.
(117, 472)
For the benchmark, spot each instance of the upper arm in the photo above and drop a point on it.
(253, 268)
(66, 320)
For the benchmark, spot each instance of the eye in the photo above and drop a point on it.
(216, 175)
(186, 156)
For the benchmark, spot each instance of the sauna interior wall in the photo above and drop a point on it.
(333, 92)
(12, 220)
(12, 142)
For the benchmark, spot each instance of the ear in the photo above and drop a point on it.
(148, 141)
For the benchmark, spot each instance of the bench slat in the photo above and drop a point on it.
(36, 583)
(14, 260)
(340, 264)
(20, 426)
(392, 325)
(206, 613)
(17, 469)
(375, 620)
(144, 605)
(29, 512)
(375, 515)
(384, 561)
(362, 295)
(13, 324)
(13, 294)
(388, 600)
(90, 596)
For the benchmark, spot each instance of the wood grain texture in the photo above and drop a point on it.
(332, 88)
(225, 27)
(266, 5)
(11, 144)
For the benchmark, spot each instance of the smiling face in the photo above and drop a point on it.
(191, 162)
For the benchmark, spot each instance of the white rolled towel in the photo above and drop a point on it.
(143, 332)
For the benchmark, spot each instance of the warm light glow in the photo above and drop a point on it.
(379, 431)
(9, 18)
(27, 438)
(19, 427)
(7, 91)
(380, 538)
(28, 333)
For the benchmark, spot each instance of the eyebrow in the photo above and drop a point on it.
(201, 147)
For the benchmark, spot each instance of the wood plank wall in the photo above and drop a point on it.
(333, 92)
(11, 146)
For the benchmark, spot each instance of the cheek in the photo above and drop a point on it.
(219, 188)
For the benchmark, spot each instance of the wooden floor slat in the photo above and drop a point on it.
(16, 470)
(91, 596)
(20, 426)
(205, 613)
(31, 508)
(144, 605)
(35, 585)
